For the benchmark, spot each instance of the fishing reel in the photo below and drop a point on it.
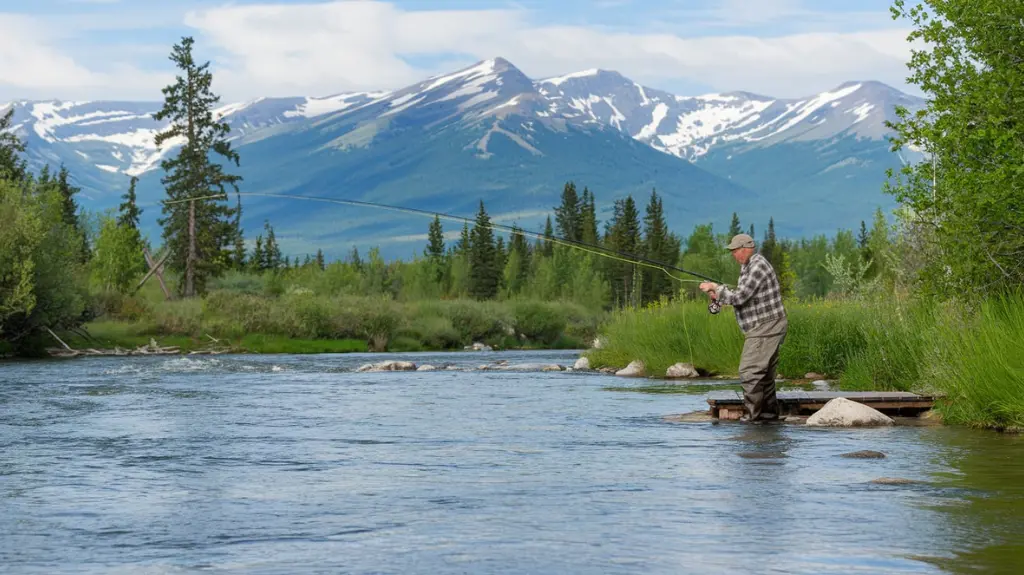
(714, 307)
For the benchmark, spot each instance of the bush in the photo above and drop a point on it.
(539, 321)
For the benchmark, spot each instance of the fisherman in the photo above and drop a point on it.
(757, 300)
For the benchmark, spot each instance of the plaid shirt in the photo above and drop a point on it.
(757, 298)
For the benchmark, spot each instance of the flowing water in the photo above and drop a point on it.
(298, 464)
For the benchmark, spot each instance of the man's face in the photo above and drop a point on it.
(741, 255)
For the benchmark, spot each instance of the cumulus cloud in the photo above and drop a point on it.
(323, 48)
(319, 48)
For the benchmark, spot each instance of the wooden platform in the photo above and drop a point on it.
(729, 404)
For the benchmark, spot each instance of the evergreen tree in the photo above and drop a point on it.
(271, 251)
(320, 260)
(307, 261)
(12, 166)
(435, 240)
(769, 247)
(197, 229)
(734, 227)
(258, 259)
(355, 260)
(660, 245)
(462, 246)
(588, 219)
(69, 210)
(623, 235)
(547, 248)
(483, 274)
(751, 231)
(568, 214)
(862, 242)
(238, 259)
(128, 211)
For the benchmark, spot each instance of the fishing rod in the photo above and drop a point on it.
(587, 247)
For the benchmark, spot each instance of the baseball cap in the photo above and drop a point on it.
(740, 241)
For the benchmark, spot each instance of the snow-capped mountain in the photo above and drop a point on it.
(489, 132)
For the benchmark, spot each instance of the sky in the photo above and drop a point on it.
(118, 49)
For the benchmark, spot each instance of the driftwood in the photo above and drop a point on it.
(157, 269)
(150, 349)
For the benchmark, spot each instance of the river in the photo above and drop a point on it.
(298, 464)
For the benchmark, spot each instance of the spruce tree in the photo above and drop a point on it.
(271, 251)
(769, 245)
(355, 260)
(734, 227)
(129, 211)
(548, 247)
(258, 259)
(238, 259)
(12, 166)
(659, 245)
(751, 231)
(588, 219)
(197, 229)
(435, 240)
(320, 260)
(69, 210)
(567, 214)
(623, 235)
(483, 273)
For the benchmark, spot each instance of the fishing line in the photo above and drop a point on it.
(590, 248)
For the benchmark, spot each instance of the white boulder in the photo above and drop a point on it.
(426, 367)
(681, 370)
(388, 366)
(477, 346)
(582, 363)
(634, 369)
(841, 412)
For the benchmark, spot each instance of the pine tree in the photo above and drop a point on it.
(197, 229)
(435, 240)
(862, 242)
(734, 227)
(69, 208)
(769, 246)
(483, 273)
(751, 231)
(623, 235)
(271, 251)
(588, 219)
(658, 245)
(547, 248)
(462, 246)
(257, 260)
(355, 260)
(12, 166)
(238, 259)
(567, 215)
(306, 261)
(320, 260)
(129, 211)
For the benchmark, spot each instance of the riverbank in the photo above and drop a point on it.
(970, 357)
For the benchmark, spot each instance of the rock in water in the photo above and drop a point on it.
(388, 366)
(427, 367)
(813, 375)
(681, 370)
(634, 369)
(841, 412)
(582, 363)
(864, 455)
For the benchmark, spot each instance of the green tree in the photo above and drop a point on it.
(588, 219)
(568, 214)
(660, 245)
(547, 245)
(258, 259)
(622, 234)
(969, 193)
(20, 235)
(116, 263)
(434, 251)
(320, 259)
(483, 271)
(128, 211)
(12, 165)
(734, 226)
(197, 228)
(271, 251)
(69, 209)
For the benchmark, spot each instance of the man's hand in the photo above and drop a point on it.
(708, 287)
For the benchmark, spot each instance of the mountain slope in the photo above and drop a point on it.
(489, 132)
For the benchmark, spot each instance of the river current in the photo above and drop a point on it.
(299, 464)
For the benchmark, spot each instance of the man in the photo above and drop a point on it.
(757, 300)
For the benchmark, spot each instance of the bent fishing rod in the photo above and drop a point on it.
(591, 248)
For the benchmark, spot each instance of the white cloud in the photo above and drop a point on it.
(323, 48)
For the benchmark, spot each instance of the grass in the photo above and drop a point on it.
(971, 357)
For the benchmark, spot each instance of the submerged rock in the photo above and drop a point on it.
(634, 369)
(582, 363)
(864, 455)
(388, 366)
(477, 346)
(813, 375)
(893, 481)
(841, 412)
(681, 370)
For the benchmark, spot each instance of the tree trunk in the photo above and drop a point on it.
(190, 263)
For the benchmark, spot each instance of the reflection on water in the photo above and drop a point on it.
(283, 464)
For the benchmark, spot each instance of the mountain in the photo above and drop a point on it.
(488, 132)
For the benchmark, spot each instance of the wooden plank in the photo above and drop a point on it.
(725, 404)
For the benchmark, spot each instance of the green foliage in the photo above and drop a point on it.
(199, 230)
(484, 270)
(20, 234)
(12, 166)
(117, 262)
(969, 194)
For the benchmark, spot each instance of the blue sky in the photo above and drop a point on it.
(117, 49)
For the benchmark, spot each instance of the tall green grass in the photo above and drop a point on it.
(971, 357)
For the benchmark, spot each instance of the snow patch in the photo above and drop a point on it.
(405, 105)
(559, 80)
(486, 67)
(805, 109)
(314, 107)
(643, 95)
(650, 130)
(710, 121)
(617, 116)
(861, 111)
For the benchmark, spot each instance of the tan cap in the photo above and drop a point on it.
(740, 241)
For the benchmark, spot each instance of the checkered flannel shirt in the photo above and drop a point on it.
(757, 298)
